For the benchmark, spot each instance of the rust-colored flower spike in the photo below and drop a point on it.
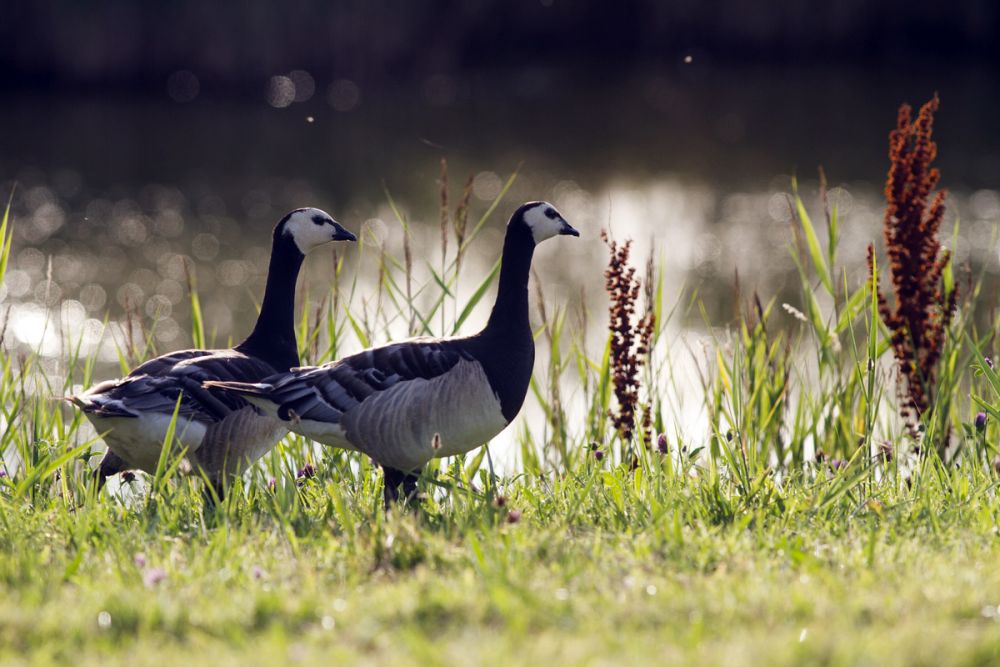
(922, 310)
(630, 342)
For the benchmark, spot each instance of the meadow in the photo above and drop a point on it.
(838, 507)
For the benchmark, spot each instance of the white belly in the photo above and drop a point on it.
(397, 427)
(139, 440)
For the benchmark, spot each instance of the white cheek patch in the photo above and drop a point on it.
(542, 226)
(306, 233)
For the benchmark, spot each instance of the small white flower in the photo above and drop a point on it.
(795, 312)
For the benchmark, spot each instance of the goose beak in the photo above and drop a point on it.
(568, 230)
(341, 234)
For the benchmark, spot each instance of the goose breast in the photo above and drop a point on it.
(397, 427)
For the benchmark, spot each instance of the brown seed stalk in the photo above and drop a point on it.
(922, 310)
(630, 337)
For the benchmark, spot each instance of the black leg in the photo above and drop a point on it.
(410, 486)
(393, 480)
(217, 485)
(111, 464)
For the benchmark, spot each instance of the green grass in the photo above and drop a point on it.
(738, 547)
(907, 579)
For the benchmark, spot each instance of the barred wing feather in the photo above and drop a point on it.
(325, 393)
(156, 385)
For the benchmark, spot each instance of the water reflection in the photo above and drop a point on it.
(118, 201)
(60, 289)
(77, 259)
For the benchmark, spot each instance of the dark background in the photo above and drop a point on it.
(134, 134)
(134, 45)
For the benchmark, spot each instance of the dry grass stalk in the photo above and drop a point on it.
(312, 333)
(923, 309)
(3, 325)
(460, 221)
(582, 327)
(824, 196)
(646, 344)
(457, 220)
(383, 281)
(443, 189)
(132, 321)
(408, 264)
(630, 338)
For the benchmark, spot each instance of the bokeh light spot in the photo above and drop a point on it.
(486, 185)
(305, 86)
(280, 92)
(205, 246)
(93, 297)
(232, 273)
(343, 95)
(985, 204)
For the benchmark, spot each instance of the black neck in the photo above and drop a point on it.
(273, 337)
(505, 348)
(510, 312)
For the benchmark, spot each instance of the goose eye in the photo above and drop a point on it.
(551, 214)
(319, 220)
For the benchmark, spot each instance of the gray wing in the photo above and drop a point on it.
(325, 393)
(156, 385)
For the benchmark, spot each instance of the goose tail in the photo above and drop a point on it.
(99, 406)
(255, 393)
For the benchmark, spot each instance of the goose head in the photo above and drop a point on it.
(542, 221)
(309, 228)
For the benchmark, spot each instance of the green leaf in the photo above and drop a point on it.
(164, 469)
(851, 309)
(476, 296)
(994, 412)
(831, 238)
(991, 375)
(948, 276)
(815, 252)
(197, 320)
(358, 331)
(6, 238)
(477, 460)
(489, 211)
(614, 486)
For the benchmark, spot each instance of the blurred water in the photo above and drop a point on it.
(114, 194)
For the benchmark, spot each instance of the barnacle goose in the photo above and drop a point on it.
(405, 403)
(221, 432)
